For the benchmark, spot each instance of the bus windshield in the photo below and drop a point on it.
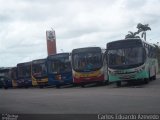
(87, 61)
(59, 65)
(126, 57)
(24, 71)
(13, 73)
(5, 74)
(39, 70)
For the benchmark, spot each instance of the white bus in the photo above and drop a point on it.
(131, 59)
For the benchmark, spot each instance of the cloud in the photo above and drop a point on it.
(78, 23)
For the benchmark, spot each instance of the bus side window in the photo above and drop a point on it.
(43, 69)
(147, 52)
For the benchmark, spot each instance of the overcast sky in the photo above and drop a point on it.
(78, 23)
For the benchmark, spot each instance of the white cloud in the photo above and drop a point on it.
(78, 23)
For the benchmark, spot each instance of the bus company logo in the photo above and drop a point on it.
(9, 117)
(50, 35)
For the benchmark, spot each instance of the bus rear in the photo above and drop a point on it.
(88, 65)
(59, 69)
(39, 72)
(24, 75)
(129, 60)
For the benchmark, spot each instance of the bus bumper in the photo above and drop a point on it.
(24, 83)
(43, 82)
(128, 77)
(60, 82)
(87, 80)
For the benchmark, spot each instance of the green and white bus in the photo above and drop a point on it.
(131, 59)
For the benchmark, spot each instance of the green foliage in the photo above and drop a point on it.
(141, 29)
(131, 35)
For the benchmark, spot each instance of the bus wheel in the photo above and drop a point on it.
(146, 80)
(118, 83)
(82, 85)
(41, 86)
(149, 78)
(5, 87)
(154, 77)
(74, 85)
(106, 82)
(58, 86)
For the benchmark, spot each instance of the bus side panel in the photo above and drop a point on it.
(151, 66)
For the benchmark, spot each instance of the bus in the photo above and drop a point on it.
(24, 75)
(39, 72)
(59, 69)
(89, 66)
(131, 59)
(14, 76)
(5, 79)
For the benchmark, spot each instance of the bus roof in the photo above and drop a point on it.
(59, 55)
(38, 61)
(5, 68)
(84, 49)
(127, 43)
(24, 64)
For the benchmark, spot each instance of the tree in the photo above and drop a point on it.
(143, 28)
(131, 35)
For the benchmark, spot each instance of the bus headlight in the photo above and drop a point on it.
(110, 72)
(58, 77)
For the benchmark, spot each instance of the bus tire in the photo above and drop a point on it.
(106, 82)
(82, 85)
(41, 86)
(74, 85)
(100, 83)
(58, 86)
(146, 80)
(118, 83)
(154, 77)
(5, 87)
(149, 77)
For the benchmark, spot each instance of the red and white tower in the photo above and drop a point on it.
(51, 42)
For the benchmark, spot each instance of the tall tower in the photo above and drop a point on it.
(51, 42)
